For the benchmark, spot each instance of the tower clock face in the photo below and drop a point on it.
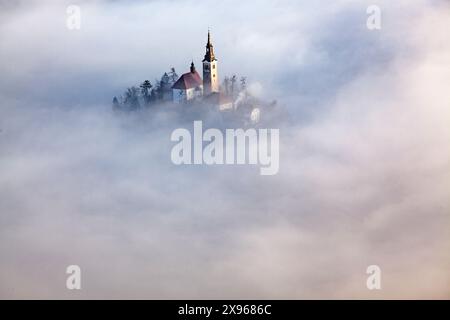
(206, 67)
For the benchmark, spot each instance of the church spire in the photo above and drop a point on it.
(192, 67)
(209, 56)
(210, 76)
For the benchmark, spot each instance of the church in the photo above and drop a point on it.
(190, 86)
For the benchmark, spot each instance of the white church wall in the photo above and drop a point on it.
(181, 96)
(190, 94)
(226, 106)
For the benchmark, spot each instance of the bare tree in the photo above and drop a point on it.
(226, 84)
(233, 83)
(173, 75)
(243, 83)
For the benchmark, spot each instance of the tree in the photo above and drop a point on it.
(158, 89)
(146, 86)
(243, 83)
(165, 86)
(154, 95)
(116, 104)
(131, 100)
(233, 83)
(226, 84)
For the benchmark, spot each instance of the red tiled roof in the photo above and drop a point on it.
(188, 81)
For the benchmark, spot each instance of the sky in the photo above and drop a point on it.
(364, 173)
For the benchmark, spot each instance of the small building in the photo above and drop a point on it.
(188, 87)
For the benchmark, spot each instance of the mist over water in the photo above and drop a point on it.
(364, 153)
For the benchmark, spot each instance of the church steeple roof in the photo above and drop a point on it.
(189, 80)
(209, 56)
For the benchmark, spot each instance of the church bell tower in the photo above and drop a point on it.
(210, 78)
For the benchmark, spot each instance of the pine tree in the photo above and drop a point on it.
(158, 90)
(226, 84)
(146, 86)
(131, 100)
(116, 104)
